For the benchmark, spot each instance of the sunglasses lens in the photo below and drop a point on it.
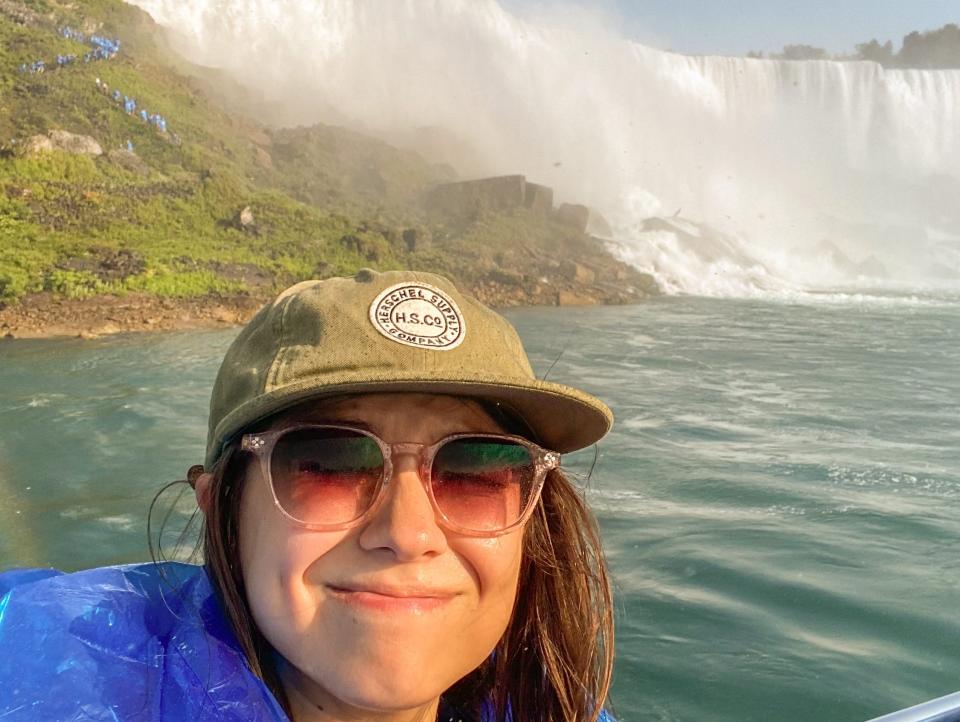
(483, 484)
(326, 476)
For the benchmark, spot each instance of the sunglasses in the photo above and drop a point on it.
(330, 477)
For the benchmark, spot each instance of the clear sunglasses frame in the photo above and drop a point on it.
(262, 445)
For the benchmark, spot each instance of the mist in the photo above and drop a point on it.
(777, 177)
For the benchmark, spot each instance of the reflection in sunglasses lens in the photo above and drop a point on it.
(326, 476)
(482, 484)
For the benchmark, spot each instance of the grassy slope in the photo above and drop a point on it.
(326, 200)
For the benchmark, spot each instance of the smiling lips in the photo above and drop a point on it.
(389, 599)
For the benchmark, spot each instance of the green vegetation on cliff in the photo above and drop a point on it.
(219, 204)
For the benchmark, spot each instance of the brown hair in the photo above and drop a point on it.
(554, 662)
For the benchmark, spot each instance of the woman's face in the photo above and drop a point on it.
(385, 616)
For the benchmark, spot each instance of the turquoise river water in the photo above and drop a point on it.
(779, 498)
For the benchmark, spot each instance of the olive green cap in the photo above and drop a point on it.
(391, 331)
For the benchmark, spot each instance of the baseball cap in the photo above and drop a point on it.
(389, 332)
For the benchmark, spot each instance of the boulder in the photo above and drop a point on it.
(245, 220)
(574, 215)
(538, 198)
(64, 141)
(572, 298)
(597, 225)
(37, 144)
(576, 272)
(500, 193)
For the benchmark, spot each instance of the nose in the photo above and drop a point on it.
(405, 523)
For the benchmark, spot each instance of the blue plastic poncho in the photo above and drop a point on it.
(145, 642)
(136, 642)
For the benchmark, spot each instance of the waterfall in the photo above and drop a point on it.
(816, 173)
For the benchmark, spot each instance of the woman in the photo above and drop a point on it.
(388, 535)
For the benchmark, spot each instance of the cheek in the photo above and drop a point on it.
(495, 564)
(275, 557)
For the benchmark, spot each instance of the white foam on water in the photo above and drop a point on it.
(638, 423)
(78, 512)
(821, 172)
(640, 340)
(122, 522)
(34, 401)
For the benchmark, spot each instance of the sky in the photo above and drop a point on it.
(733, 27)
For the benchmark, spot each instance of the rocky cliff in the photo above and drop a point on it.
(135, 195)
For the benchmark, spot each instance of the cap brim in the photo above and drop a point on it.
(564, 418)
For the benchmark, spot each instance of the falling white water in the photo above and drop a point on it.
(797, 174)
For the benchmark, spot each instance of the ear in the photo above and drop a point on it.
(202, 489)
(200, 481)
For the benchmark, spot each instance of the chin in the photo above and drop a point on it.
(384, 692)
(378, 678)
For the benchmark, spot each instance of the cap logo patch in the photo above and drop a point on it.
(420, 315)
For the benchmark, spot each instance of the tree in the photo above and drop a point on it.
(876, 52)
(933, 49)
(802, 52)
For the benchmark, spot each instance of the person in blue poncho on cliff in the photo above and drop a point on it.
(388, 535)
